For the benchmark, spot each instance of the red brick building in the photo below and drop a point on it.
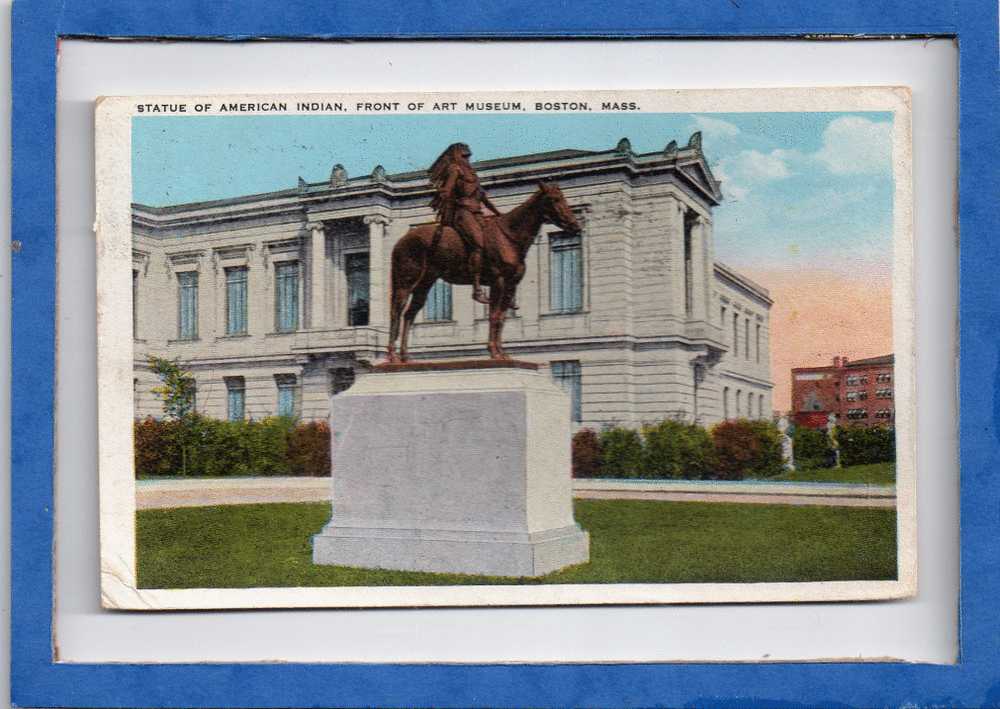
(860, 393)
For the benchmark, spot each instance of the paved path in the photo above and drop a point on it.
(750, 491)
(158, 494)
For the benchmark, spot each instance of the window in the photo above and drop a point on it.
(758, 344)
(236, 301)
(286, 394)
(341, 379)
(725, 402)
(739, 402)
(760, 405)
(438, 305)
(746, 339)
(187, 321)
(135, 303)
(722, 316)
(883, 393)
(235, 398)
(286, 296)
(566, 279)
(736, 334)
(358, 283)
(567, 375)
(883, 377)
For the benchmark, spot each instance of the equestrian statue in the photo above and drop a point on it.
(467, 247)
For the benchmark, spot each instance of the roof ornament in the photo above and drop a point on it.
(303, 185)
(378, 174)
(671, 150)
(624, 147)
(338, 176)
(694, 142)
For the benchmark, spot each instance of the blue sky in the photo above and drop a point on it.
(801, 189)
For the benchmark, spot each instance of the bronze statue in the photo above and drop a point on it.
(427, 253)
(459, 204)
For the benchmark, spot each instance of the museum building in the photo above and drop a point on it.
(275, 301)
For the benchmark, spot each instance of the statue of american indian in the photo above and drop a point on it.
(467, 247)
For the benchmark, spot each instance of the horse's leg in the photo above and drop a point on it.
(399, 297)
(497, 300)
(417, 300)
(506, 300)
(514, 283)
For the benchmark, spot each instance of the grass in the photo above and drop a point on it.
(874, 474)
(638, 541)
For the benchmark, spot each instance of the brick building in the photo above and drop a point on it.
(859, 392)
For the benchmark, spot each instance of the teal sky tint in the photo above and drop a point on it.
(799, 188)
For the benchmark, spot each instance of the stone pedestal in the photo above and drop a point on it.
(452, 470)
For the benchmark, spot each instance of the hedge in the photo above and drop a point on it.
(677, 450)
(811, 448)
(747, 449)
(196, 445)
(861, 446)
(673, 449)
(621, 453)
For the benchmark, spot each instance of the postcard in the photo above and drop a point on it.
(505, 348)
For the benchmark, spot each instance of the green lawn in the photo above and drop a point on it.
(242, 546)
(874, 474)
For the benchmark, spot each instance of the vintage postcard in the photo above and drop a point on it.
(505, 348)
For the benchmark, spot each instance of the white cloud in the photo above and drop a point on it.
(853, 145)
(732, 189)
(752, 167)
(715, 128)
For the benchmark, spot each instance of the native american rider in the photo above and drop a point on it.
(459, 204)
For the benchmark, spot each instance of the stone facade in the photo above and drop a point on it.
(657, 327)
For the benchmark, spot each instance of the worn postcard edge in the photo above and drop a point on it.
(115, 401)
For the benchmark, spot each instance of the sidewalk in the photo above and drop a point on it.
(200, 492)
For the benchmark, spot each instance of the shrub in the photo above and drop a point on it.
(747, 449)
(674, 449)
(586, 454)
(196, 445)
(621, 453)
(155, 452)
(309, 449)
(860, 446)
(811, 448)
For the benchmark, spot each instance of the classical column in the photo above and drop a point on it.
(378, 294)
(699, 307)
(317, 285)
(708, 265)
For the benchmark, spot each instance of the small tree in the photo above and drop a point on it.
(177, 387)
(177, 391)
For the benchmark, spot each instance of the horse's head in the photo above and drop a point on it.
(555, 208)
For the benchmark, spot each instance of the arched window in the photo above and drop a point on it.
(739, 402)
(725, 403)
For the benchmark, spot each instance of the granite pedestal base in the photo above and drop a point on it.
(454, 471)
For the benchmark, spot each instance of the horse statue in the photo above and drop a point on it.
(427, 253)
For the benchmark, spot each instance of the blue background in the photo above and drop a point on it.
(37, 682)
